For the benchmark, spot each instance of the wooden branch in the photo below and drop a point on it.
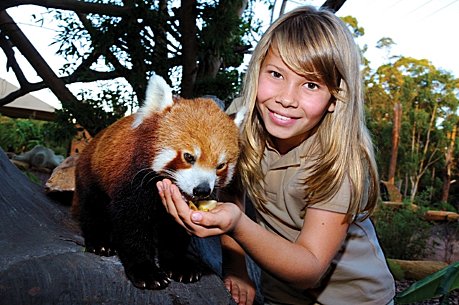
(17, 37)
(11, 62)
(83, 76)
(73, 5)
(333, 5)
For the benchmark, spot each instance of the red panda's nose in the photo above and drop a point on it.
(203, 190)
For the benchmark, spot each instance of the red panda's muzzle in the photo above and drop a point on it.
(202, 191)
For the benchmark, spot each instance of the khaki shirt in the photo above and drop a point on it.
(359, 272)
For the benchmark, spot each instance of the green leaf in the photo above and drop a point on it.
(441, 283)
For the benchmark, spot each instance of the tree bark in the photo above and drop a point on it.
(395, 142)
(189, 47)
(449, 161)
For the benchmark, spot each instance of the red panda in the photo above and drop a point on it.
(190, 141)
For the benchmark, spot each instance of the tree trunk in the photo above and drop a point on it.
(449, 161)
(188, 16)
(160, 38)
(395, 142)
(211, 60)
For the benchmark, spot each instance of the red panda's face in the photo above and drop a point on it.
(194, 173)
(197, 147)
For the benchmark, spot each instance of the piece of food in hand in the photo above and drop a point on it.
(202, 205)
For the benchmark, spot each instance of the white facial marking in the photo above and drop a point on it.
(229, 175)
(164, 157)
(188, 179)
(222, 158)
(197, 152)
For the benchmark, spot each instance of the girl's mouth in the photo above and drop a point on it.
(280, 119)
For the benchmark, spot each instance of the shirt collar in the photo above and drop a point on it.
(274, 160)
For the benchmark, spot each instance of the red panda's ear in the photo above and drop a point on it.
(157, 98)
(239, 116)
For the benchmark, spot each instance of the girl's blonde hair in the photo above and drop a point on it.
(315, 43)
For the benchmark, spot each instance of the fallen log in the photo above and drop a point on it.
(417, 270)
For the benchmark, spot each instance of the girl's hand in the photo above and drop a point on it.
(222, 219)
(242, 290)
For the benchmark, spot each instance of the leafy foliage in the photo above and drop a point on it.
(94, 113)
(403, 226)
(428, 99)
(21, 135)
(150, 37)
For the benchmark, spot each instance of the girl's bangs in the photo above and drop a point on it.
(297, 58)
(308, 55)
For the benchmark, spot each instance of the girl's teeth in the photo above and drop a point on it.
(281, 117)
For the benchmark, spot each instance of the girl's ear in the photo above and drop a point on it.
(332, 105)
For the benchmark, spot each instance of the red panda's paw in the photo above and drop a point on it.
(147, 277)
(184, 271)
(101, 250)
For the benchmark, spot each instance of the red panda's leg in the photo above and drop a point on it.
(95, 222)
(135, 233)
(174, 254)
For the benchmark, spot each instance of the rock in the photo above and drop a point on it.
(40, 157)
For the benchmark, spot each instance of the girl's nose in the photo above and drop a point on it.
(287, 98)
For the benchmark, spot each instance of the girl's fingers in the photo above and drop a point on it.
(166, 192)
(202, 224)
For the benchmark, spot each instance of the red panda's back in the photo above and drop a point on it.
(108, 159)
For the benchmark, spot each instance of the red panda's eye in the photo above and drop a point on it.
(189, 158)
(221, 166)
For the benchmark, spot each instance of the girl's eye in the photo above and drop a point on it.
(189, 158)
(312, 86)
(276, 74)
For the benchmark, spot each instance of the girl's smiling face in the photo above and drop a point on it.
(289, 104)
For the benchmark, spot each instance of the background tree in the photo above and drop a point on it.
(418, 134)
(127, 40)
(197, 44)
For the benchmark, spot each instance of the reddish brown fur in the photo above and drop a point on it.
(119, 151)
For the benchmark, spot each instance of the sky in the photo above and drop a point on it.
(422, 29)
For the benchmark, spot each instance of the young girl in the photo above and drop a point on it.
(308, 166)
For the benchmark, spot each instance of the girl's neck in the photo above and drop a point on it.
(283, 146)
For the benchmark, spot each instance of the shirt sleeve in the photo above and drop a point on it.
(340, 202)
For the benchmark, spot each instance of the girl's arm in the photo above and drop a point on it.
(235, 273)
(301, 263)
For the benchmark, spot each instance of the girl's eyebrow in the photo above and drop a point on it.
(274, 66)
